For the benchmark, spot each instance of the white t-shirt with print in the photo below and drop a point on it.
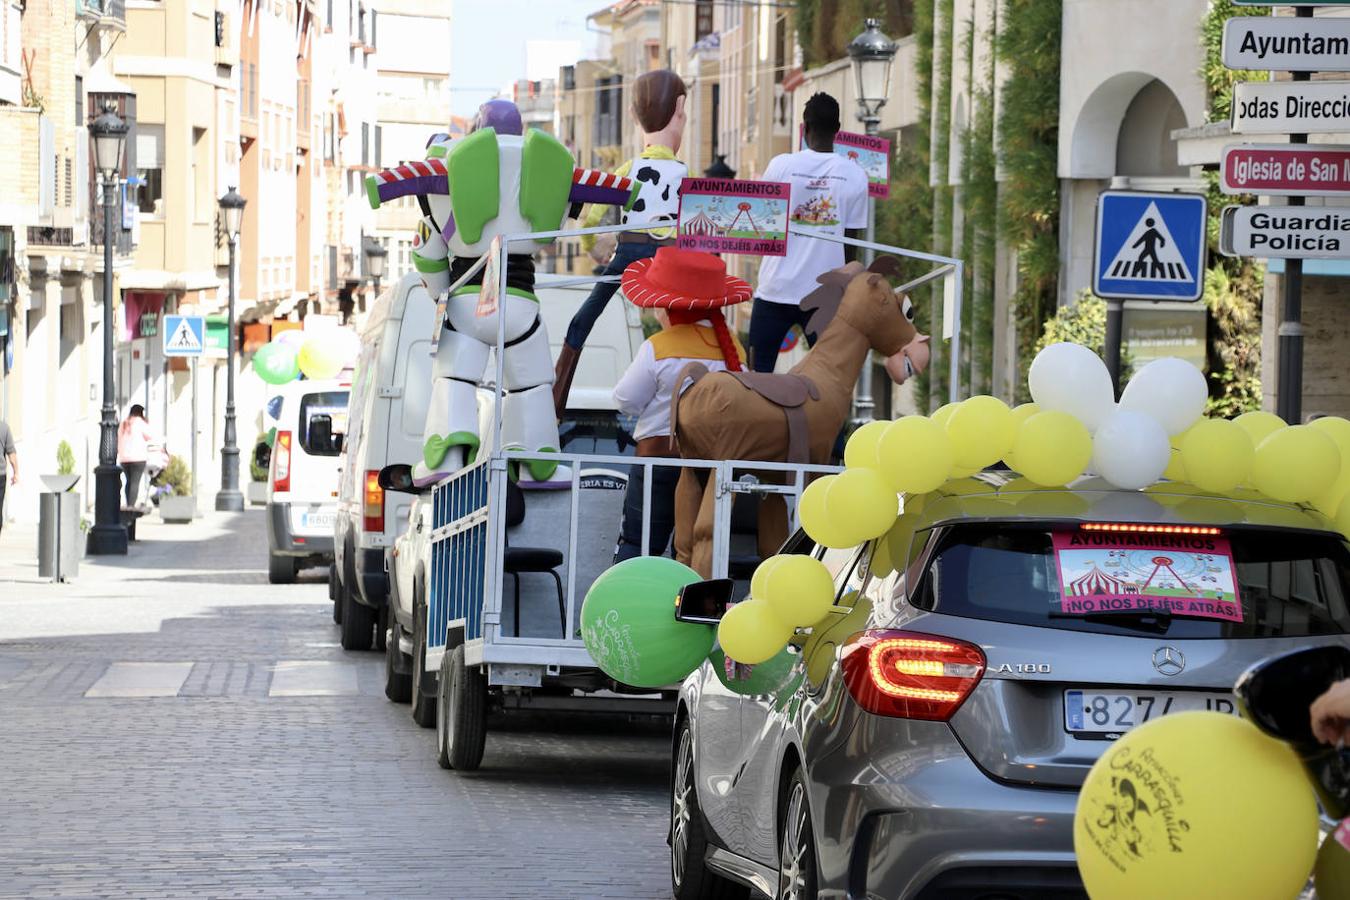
(829, 194)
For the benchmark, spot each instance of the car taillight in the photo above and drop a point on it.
(910, 675)
(373, 512)
(281, 462)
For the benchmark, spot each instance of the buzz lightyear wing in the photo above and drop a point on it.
(426, 177)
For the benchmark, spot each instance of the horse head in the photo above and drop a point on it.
(863, 298)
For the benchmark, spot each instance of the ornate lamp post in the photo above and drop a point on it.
(375, 259)
(872, 54)
(230, 499)
(109, 535)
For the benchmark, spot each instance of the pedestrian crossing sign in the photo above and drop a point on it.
(184, 335)
(1150, 246)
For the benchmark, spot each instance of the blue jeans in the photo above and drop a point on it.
(625, 254)
(664, 481)
(769, 324)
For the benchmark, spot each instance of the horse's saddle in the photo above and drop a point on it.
(788, 392)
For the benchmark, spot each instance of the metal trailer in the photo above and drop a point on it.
(492, 634)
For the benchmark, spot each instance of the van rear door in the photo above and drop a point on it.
(316, 454)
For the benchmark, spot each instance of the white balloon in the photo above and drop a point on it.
(1130, 450)
(1071, 378)
(1171, 391)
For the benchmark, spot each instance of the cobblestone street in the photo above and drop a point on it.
(173, 726)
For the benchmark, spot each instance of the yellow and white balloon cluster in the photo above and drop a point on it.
(1074, 426)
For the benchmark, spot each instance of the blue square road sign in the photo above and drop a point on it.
(1150, 246)
(184, 335)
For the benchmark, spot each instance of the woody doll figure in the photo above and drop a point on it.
(658, 107)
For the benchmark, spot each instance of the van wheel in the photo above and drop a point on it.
(423, 696)
(461, 714)
(358, 621)
(690, 879)
(280, 569)
(397, 685)
(335, 593)
(382, 618)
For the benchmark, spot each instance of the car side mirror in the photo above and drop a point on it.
(397, 477)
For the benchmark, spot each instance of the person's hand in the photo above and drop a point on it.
(603, 248)
(14, 479)
(1331, 714)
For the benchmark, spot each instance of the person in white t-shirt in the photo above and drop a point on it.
(829, 195)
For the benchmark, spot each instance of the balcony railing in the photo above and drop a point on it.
(105, 13)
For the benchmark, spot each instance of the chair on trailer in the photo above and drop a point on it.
(743, 557)
(526, 560)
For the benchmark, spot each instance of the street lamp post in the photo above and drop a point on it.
(230, 499)
(375, 259)
(109, 535)
(872, 54)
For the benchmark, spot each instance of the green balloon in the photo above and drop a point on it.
(772, 677)
(1331, 875)
(276, 363)
(628, 623)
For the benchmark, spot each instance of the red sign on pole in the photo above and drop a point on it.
(1286, 170)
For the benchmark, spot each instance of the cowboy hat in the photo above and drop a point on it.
(687, 280)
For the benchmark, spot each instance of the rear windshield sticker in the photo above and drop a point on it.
(1186, 575)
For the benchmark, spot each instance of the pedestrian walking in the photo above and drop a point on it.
(828, 196)
(687, 290)
(658, 107)
(9, 459)
(134, 441)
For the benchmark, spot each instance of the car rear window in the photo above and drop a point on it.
(597, 434)
(323, 422)
(1290, 584)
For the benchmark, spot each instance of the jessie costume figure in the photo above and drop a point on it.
(498, 180)
(658, 107)
(688, 290)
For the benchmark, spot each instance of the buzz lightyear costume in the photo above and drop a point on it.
(496, 181)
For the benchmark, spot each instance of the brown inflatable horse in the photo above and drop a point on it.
(793, 417)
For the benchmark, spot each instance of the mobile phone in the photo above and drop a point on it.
(704, 602)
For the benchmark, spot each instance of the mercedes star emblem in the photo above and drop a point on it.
(1169, 661)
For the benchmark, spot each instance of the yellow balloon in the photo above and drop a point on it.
(799, 590)
(815, 518)
(1259, 425)
(880, 564)
(319, 359)
(1331, 874)
(1162, 813)
(1218, 455)
(862, 502)
(1176, 440)
(981, 431)
(1338, 430)
(861, 450)
(944, 413)
(751, 634)
(916, 455)
(1021, 413)
(1052, 448)
(1295, 464)
(759, 582)
(1176, 467)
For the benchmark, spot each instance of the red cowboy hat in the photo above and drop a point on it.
(684, 280)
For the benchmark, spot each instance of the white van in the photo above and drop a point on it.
(591, 424)
(302, 483)
(390, 390)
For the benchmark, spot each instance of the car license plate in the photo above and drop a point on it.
(318, 520)
(1115, 712)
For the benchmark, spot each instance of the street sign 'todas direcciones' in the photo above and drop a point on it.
(1291, 107)
(1150, 246)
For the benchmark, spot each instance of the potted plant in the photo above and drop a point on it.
(258, 463)
(176, 503)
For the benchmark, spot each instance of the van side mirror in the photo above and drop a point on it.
(397, 477)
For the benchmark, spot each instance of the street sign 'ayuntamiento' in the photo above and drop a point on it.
(1291, 107)
(1287, 45)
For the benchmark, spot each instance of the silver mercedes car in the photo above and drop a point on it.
(928, 738)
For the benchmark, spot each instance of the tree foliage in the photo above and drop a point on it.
(825, 27)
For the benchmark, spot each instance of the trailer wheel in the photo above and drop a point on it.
(461, 715)
(423, 700)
